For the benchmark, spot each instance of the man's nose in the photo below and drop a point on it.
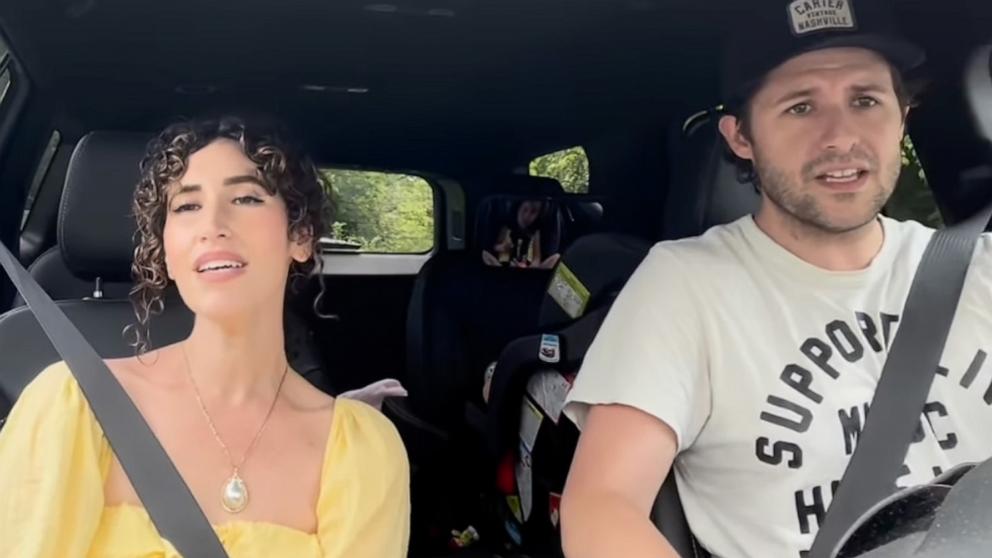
(839, 134)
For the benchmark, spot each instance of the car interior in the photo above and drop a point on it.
(465, 95)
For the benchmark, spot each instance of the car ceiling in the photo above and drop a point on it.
(441, 85)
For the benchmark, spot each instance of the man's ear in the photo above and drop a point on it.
(731, 130)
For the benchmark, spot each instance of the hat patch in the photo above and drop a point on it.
(807, 16)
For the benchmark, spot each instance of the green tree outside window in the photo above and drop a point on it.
(381, 212)
(569, 166)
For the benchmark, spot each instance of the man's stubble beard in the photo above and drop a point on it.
(799, 204)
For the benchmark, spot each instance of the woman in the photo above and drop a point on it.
(279, 468)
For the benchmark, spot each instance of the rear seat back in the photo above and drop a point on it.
(462, 315)
(462, 312)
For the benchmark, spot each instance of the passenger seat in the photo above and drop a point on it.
(95, 232)
(94, 253)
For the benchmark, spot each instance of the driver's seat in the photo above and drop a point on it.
(703, 192)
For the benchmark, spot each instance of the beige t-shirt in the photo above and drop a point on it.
(764, 366)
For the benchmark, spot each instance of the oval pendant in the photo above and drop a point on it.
(235, 495)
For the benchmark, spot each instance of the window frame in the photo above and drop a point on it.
(40, 173)
(904, 200)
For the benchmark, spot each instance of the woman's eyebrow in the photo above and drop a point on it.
(243, 178)
(187, 188)
(230, 181)
(182, 189)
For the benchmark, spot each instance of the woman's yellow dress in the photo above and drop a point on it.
(54, 460)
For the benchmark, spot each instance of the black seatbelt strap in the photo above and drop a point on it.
(905, 380)
(162, 491)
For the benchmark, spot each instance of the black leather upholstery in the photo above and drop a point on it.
(51, 272)
(668, 516)
(95, 233)
(704, 189)
(26, 350)
(462, 313)
(96, 230)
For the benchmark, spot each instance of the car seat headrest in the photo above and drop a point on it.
(591, 273)
(95, 227)
(704, 190)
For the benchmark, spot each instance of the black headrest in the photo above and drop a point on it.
(95, 228)
(523, 184)
(591, 272)
(704, 190)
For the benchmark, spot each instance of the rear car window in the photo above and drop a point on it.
(569, 166)
(379, 212)
(912, 198)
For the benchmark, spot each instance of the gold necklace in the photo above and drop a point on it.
(234, 495)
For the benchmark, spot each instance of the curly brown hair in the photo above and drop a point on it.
(285, 170)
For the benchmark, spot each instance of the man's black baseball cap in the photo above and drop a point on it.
(774, 31)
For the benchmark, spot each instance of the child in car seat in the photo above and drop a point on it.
(518, 243)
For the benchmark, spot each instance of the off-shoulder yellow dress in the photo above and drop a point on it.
(54, 460)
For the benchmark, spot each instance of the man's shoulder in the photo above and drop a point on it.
(916, 234)
(713, 246)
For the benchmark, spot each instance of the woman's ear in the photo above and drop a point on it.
(301, 253)
(301, 246)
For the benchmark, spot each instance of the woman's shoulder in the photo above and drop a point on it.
(54, 382)
(363, 426)
(54, 393)
(52, 406)
(57, 382)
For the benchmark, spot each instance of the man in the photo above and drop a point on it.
(744, 360)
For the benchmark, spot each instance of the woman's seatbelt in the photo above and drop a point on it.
(905, 381)
(162, 491)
